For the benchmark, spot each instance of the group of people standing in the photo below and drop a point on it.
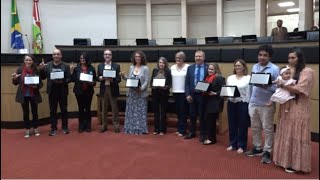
(292, 143)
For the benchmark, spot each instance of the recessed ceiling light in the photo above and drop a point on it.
(286, 4)
(293, 10)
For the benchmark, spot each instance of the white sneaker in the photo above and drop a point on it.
(229, 148)
(240, 151)
(27, 134)
(36, 132)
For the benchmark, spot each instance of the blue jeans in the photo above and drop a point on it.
(239, 121)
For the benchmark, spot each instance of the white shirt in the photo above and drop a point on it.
(178, 78)
(243, 87)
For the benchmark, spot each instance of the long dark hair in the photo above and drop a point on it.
(34, 66)
(143, 58)
(86, 57)
(300, 64)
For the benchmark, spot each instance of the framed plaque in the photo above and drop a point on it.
(159, 82)
(202, 86)
(260, 78)
(229, 91)
(86, 77)
(132, 83)
(31, 80)
(57, 75)
(108, 73)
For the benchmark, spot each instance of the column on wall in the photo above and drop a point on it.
(184, 19)
(148, 19)
(220, 15)
(261, 17)
(305, 15)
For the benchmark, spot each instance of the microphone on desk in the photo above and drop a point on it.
(28, 43)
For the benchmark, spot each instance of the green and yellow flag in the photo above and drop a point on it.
(16, 35)
(37, 43)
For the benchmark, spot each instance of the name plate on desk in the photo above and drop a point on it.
(86, 77)
(109, 73)
(132, 83)
(260, 78)
(202, 86)
(159, 82)
(57, 75)
(31, 80)
(229, 91)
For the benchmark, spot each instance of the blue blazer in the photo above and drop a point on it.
(189, 83)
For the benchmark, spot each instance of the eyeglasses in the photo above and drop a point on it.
(107, 54)
(211, 69)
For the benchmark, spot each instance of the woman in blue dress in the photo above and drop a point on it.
(137, 97)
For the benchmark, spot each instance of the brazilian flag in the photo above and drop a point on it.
(16, 36)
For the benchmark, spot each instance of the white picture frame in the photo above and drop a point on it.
(229, 91)
(132, 83)
(159, 82)
(31, 80)
(57, 75)
(108, 73)
(86, 77)
(260, 78)
(202, 86)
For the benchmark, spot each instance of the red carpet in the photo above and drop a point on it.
(110, 155)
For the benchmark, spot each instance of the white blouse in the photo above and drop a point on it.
(243, 87)
(178, 78)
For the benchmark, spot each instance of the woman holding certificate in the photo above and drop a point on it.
(212, 102)
(29, 83)
(160, 83)
(237, 110)
(84, 77)
(137, 96)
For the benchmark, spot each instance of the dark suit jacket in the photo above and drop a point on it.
(279, 36)
(19, 81)
(189, 83)
(115, 84)
(161, 91)
(46, 74)
(213, 103)
(75, 77)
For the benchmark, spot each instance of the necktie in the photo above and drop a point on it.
(197, 78)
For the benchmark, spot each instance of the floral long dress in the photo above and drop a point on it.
(292, 144)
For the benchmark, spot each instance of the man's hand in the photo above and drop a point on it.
(189, 99)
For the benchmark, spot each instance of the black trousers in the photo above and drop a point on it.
(34, 111)
(84, 105)
(61, 97)
(197, 108)
(211, 126)
(159, 104)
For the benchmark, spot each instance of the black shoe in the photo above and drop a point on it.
(52, 133)
(189, 136)
(266, 157)
(80, 130)
(117, 130)
(102, 130)
(66, 131)
(201, 139)
(88, 130)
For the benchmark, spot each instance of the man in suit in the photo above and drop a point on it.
(109, 88)
(57, 89)
(279, 33)
(195, 73)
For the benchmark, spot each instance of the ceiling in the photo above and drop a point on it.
(273, 8)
